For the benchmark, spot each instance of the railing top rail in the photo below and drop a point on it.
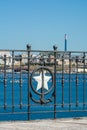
(67, 52)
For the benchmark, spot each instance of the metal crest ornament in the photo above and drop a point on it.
(41, 84)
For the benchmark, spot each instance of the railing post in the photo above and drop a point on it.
(63, 81)
(4, 81)
(84, 80)
(28, 51)
(77, 81)
(55, 56)
(20, 58)
(70, 90)
(12, 81)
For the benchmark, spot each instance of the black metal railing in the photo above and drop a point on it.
(37, 84)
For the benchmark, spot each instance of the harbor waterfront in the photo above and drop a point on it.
(43, 65)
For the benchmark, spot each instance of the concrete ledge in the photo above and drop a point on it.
(58, 124)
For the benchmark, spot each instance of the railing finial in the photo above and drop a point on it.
(55, 47)
(28, 47)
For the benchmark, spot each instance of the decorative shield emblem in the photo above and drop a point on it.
(42, 83)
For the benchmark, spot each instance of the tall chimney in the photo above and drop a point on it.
(65, 42)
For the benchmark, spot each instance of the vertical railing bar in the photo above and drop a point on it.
(28, 49)
(20, 83)
(4, 81)
(42, 89)
(84, 81)
(63, 81)
(55, 56)
(12, 81)
(70, 92)
(76, 81)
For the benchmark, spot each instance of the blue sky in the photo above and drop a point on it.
(43, 23)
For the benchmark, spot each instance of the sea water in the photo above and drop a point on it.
(14, 95)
